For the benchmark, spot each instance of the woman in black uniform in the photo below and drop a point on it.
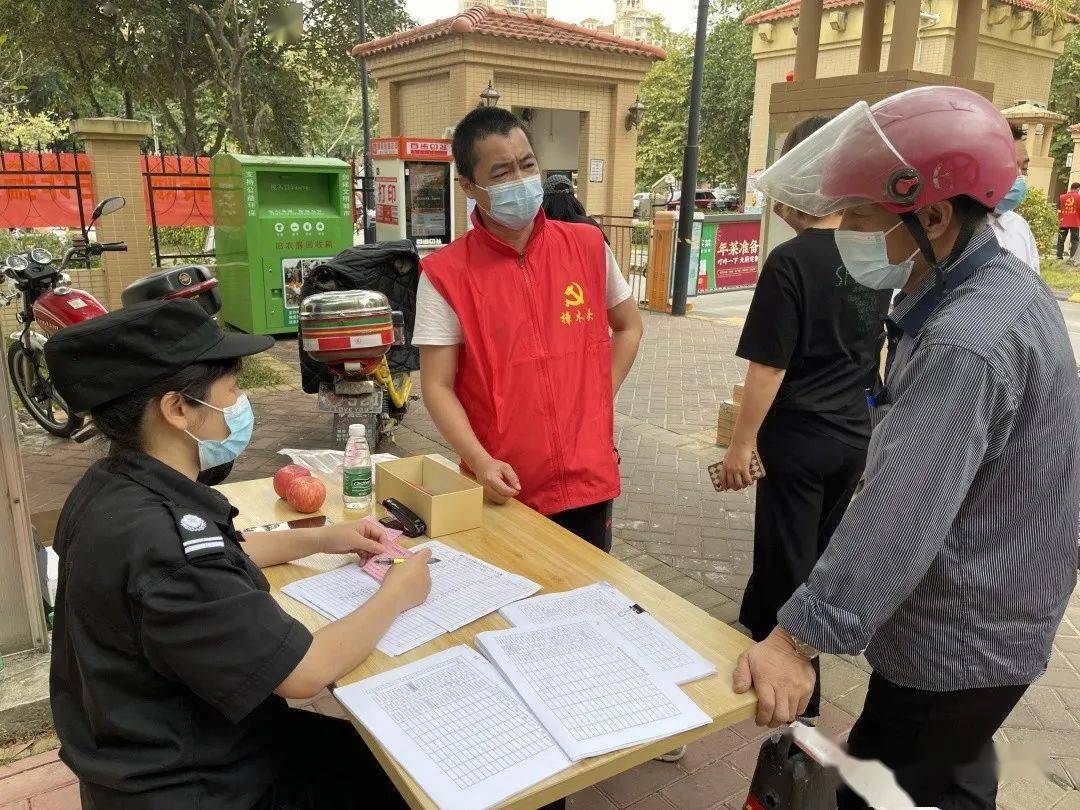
(171, 661)
(813, 338)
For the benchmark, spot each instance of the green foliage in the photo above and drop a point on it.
(1059, 276)
(1065, 99)
(29, 128)
(258, 372)
(27, 240)
(726, 101)
(1041, 215)
(295, 79)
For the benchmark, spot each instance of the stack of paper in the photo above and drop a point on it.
(588, 687)
(457, 727)
(463, 589)
(338, 593)
(671, 656)
(473, 733)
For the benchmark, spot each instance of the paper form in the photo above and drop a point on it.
(458, 729)
(645, 634)
(588, 688)
(338, 593)
(464, 588)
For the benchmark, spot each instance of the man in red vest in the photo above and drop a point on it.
(1069, 221)
(526, 330)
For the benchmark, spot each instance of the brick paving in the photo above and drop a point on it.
(669, 524)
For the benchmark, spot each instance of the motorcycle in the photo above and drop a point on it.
(356, 316)
(48, 304)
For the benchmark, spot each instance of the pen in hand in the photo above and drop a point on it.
(398, 560)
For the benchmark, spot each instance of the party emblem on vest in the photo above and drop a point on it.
(193, 523)
(574, 298)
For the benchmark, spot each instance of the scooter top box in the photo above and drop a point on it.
(193, 281)
(346, 326)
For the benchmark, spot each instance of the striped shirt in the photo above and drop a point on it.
(953, 567)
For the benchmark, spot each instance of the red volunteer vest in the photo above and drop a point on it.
(1069, 210)
(534, 368)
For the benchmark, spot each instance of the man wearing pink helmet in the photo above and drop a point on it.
(952, 568)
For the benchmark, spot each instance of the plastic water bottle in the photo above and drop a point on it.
(356, 473)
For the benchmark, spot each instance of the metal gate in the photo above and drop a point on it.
(44, 188)
(177, 195)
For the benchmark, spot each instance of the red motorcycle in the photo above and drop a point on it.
(48, 304)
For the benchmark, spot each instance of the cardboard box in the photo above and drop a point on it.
(446, 500)
(726, 418)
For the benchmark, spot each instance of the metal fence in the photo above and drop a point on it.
(177, 195)
(44, 188)
(629, 240)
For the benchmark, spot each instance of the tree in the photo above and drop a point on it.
(726, 102)
(206, 70)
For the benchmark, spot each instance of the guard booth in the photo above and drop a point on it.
(275, 219)
(414, 191)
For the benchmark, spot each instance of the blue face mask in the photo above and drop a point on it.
(514, 204)
(240, 420)
(1014, 196)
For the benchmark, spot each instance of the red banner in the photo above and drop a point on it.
(735, 254)
(53, 200)
(38, 189)
(181, 189)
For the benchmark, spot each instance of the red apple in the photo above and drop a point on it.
(306, 494)
(286, 475)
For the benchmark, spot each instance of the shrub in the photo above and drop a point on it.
(1042, 217)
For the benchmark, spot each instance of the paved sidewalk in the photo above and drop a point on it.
(671, 525)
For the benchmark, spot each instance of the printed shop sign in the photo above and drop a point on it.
(386, 200)
(729, 255)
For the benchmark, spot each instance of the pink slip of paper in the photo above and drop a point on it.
(394, 549)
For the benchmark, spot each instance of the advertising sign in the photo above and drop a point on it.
(386, 200)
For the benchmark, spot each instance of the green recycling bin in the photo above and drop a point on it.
(275, 218)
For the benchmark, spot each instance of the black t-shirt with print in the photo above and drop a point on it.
(810, 317)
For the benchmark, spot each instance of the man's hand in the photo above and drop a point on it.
(346, 538)
(498, 478)
(783, 679)
(736, 466)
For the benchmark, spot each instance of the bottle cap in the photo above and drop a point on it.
(357, 430)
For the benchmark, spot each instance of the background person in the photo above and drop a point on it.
(171, 662)
(1069, 221)
(526, 330)
(813, 338)
(1012, 230)
(954, 566)
(562, 204)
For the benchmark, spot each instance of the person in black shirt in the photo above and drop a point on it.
(171, 661)
(813, 337)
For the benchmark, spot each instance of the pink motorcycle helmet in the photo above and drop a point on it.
(905, 152)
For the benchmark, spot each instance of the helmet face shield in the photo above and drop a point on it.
(848, 162)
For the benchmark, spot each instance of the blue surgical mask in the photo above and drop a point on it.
(240, 420)
(866, 257)
(1014, 196)
(514, 204)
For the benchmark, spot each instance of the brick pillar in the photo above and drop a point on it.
(808, 40)
(112, 145)
(905, 29)
(1074, 172)
(873, 31)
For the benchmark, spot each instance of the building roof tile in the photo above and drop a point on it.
(510, 25)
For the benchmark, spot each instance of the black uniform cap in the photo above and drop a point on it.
(106, 358)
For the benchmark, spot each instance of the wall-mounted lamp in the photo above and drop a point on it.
(490, 97)
(635, 114)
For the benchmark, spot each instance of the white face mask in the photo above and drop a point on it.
(866, 257)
